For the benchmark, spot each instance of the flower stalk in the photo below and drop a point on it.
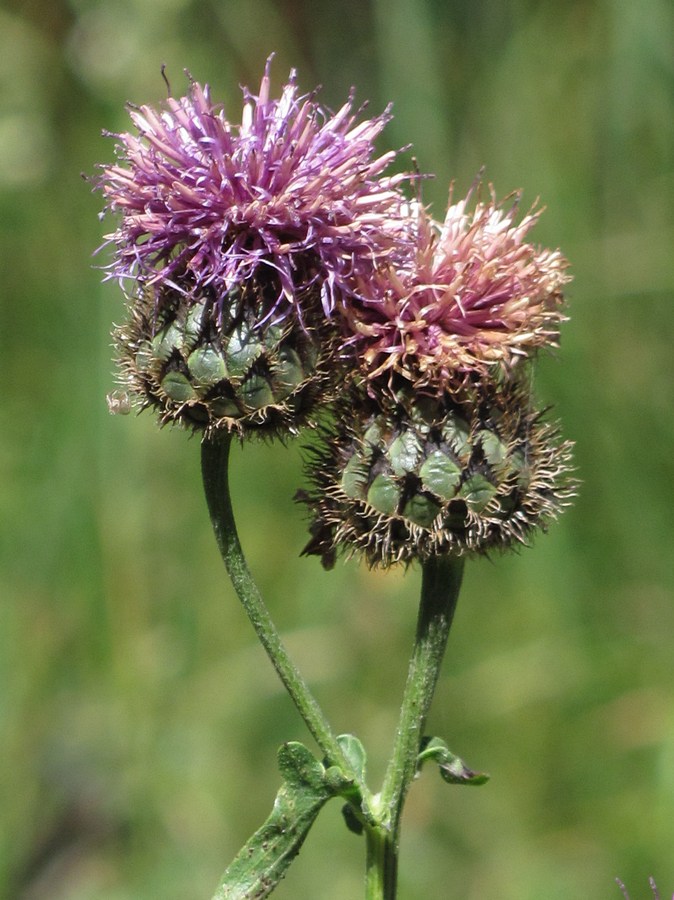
(440, 588)
(439, 593)
(215, 473)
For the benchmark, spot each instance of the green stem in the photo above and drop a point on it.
(215, 472)
(381, 865)
(439, 594)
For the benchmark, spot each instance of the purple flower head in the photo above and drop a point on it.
(206, 203)
(472, 295)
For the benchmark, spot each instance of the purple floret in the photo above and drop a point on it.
(205, 203)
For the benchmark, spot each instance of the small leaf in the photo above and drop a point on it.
(494, 449)
(166, 341)
(299, 768)
(354, 477)
(452, 769)
(144, 358)
(272, 336)
(194, 324)
(373, 435)
(355, 754)
(265, 858)
(339, 783)
(225, 406)
(457, 434)
(288, 373)
(311, 351)
(423, 413)
(256, 392)
(206, 366)
(519, 465)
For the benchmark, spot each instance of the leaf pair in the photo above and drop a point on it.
(264, 859)
(307, 786)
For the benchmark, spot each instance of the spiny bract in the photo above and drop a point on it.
(458, 474)
(233, 369)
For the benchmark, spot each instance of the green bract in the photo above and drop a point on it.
(408, 478)
(233, 369)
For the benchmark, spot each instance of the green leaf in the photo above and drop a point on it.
(288, 372)
(495, 451)
(166, 341)
(176, 386)
(354, 753)
(354, 477)
(225, 406)
(256, 392)
(206, 366)
(373, 435)
(452, 769)
(273, 336)
(519, 465)
(457, 434)
(193, 327)
(265, 858)
(299, 768)
(356, 756)
(346, 784)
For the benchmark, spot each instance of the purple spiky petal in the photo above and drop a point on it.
(205, 203)
(474, 294)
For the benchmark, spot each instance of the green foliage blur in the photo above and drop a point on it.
(139, 719)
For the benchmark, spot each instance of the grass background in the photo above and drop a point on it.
(138, 718)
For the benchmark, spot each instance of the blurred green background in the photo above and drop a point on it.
(138, 718)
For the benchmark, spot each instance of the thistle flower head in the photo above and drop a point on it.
(237, 240)
(473, 295)
(438, 449)
(205, 203)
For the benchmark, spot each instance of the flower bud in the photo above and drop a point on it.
(421, 476)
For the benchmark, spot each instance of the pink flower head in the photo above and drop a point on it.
(205, 203)
(473, 294)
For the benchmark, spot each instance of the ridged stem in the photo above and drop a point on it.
(215, 473)
(441, 582)
(440, 587)
(381, 866)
